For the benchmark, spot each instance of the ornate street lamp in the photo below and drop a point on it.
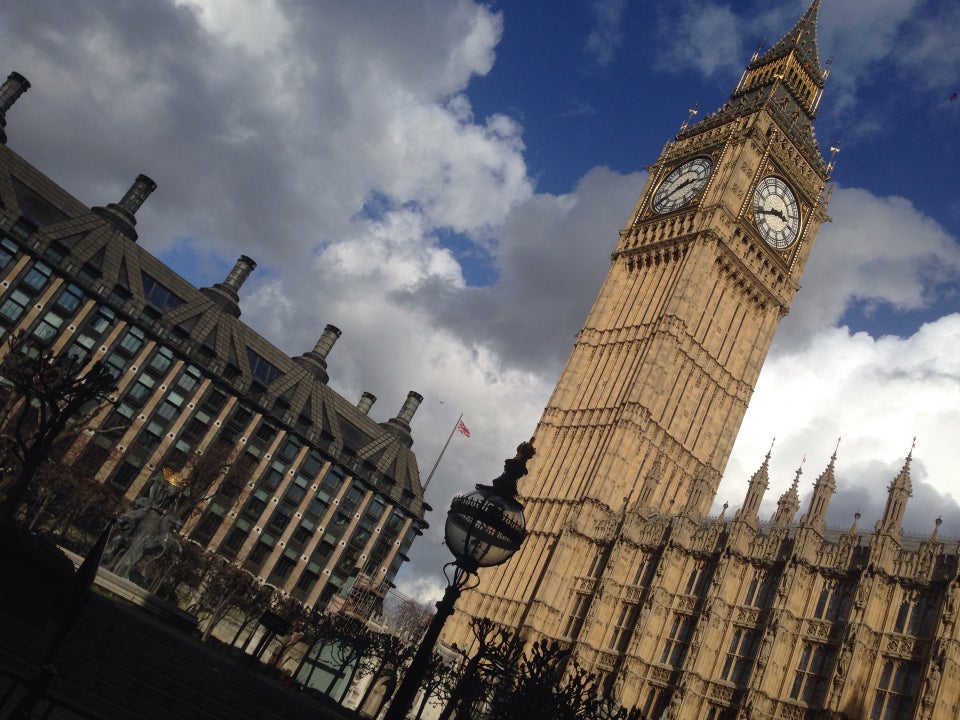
(484, 527)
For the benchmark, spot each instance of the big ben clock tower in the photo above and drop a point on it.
(648, 406)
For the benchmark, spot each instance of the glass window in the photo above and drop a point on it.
(740, 656)
(37, 278)
(675, 648)
(14, 305)
(896, 691)
(262, 369)
(810, 680)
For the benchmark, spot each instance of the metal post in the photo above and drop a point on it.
(413, 678)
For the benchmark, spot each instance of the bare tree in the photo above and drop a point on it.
(44, 395)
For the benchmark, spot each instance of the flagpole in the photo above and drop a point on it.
(440, 456)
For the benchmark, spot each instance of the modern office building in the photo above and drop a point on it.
(311, 491)
(680, 614)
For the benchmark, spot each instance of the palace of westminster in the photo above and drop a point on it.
(681, 615)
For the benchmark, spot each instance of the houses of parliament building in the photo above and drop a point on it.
(737, 616)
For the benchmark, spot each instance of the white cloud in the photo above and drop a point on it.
(876, 251)
(875, 394)
(606, 36)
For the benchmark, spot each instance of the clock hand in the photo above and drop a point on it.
(771, 211)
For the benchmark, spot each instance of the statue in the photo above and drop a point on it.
(147, 530)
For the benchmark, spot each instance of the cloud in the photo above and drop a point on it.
(877, 394)
(877, 251)
(606, 36)
(708, 38)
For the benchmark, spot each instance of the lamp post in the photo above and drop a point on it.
(484, 527)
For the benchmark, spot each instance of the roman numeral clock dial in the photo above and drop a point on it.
(776, 213)
(682, 184)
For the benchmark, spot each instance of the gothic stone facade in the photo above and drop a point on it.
(686, 616)
(326, 494)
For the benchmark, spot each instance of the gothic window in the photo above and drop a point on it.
(916, 616)
(834, 602)
(810, 681)
(623, 628)
(696, 581)
(740, 655)
(896, 690)
(717, 712)
(577, 613)
(675, 648)
(595, 568)
(644, 571)
(760, 589)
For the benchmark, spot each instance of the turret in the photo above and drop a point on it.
(789, 502)
(759, 483)
(823, 490)
(899, 491)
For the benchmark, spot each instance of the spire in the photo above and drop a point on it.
(650, 483)
(898, 493)
(786, 81)
(823, 490)
(789, 502)
(801, 40)
(759, 483)
(700, 494)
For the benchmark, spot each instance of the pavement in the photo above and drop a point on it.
(121, 662)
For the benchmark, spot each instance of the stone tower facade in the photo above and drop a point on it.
(685, 616)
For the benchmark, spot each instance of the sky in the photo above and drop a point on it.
(444, 180)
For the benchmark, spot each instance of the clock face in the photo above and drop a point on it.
(776, 213)
(682, 184)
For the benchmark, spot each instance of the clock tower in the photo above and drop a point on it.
(648, 406)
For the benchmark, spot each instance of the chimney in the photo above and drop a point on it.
(316, 359)
(366, 402)
(400, 425)
(410, 406)
(137, 194)
(241, 271)
(225, 293)
(13, 87)
(122, 214)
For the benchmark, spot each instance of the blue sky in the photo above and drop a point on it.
(444, 180)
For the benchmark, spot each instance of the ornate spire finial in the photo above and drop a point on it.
(936, 528)
(856, 519)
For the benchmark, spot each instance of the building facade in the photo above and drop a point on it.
(682, 615)
(311, 492)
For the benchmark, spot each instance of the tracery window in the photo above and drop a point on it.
(678, 640)
(740, 655)
(810, 680)
(899, 682)
(834, 601)
(916, 615)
